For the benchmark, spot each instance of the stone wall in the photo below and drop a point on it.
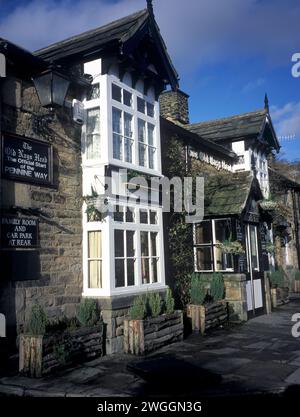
(54, 275)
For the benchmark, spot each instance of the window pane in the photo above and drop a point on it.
(203, 233)
(223, 229)
(204, 259)
(93, 133)
(141, 105)
(128, 125)
(150, 109)
(153, 236)
(119, 272)
(253, 247)
(150, 134)
(117, 117)
(144, 244)
(142, 154)
(154, 270)
(145, 271)
(130, 272)
(95, 274)
(116, 93)
(130, 243)
(223, 260)
(94, 92)
(119, 243)
(144, 216)
(151, 157)
(117, 146)
(127, 98)
(128, 150)
(153, 217)
(141, 130)
(94, 244)
(118, 214)
(129, 215)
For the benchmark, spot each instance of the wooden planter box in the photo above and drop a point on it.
(41, 355)
(279, 296)
(144, 336)
(208, 316)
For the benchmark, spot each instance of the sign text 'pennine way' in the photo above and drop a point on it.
(26, 160)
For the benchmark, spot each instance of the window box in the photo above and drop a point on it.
(42, 355)
(207, 316)
(145, 336)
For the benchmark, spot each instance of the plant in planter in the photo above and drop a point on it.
(62, 342)
(31, 343)
(152, 324)
(232, 246)
(204, 314)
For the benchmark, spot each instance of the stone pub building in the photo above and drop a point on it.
(74, 116)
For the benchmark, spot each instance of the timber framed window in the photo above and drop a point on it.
(208, 254)
(92, 137)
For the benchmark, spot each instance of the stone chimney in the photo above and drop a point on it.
(174, 105)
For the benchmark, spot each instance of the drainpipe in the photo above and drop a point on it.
(296, 222)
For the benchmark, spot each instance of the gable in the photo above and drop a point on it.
(134, 41)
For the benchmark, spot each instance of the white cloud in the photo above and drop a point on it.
(252, 85)
(287, 119)
(197, 32)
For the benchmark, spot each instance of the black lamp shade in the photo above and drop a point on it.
(51, 88)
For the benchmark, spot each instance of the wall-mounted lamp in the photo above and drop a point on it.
(51, 87)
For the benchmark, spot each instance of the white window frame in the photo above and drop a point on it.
(154, 121)
(211, 245)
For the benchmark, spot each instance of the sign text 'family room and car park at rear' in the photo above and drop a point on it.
(19, 232)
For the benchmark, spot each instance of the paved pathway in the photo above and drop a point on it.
(258, 356)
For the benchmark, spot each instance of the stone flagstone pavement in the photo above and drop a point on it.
(260, 356)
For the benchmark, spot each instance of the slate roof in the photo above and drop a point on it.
(101, 36)
(116, 33)
(242, 125)
(227, 194)
(200, 142)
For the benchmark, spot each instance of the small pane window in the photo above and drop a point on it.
(223, 230)
(94, 259)
(93, 133)
(144, 216)
(129, 215)
(203, 233)
(141, 105)
(204, 258)
(150, 109)
(153, 217)
(127, 98)
(119, 243)
(118, 214)
(116, 93)
(94, 92)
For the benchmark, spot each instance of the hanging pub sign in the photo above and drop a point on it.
(19, 232)
(27, 160)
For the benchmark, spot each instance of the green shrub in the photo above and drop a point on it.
(297, 275)
(87, 313)
(139, 308)
(154, 304)
(169, 302)
(277, 278)
(217, 287)
(37, 320)
(198, 291)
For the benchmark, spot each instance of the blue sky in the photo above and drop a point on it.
(228, 53)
